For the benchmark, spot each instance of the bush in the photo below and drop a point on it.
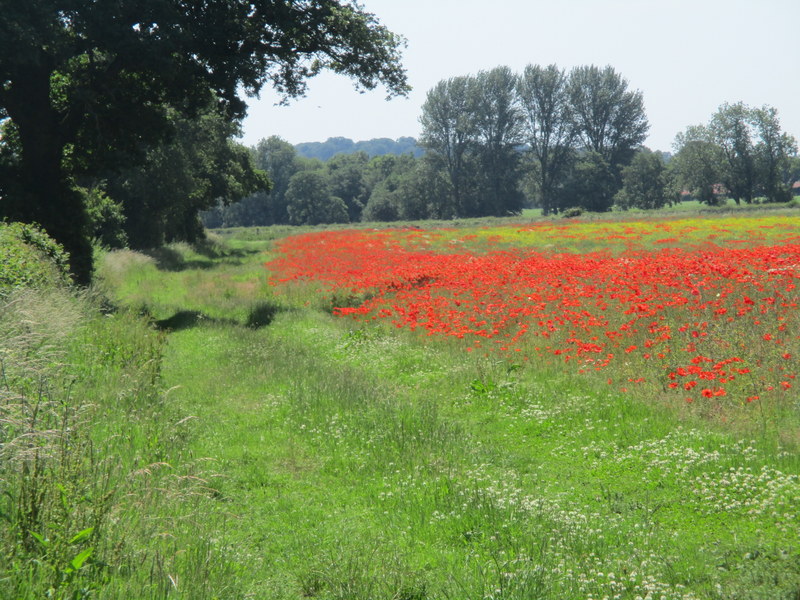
(30, 258)
(383, 205)
(106, 218)
(570, 213)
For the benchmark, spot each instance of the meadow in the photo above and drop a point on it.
(592, 408)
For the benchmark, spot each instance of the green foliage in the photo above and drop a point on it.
(587, 124)
(83, 110)
(697, 165)
(548, 129)
(384, 204)
(498, 123)
(349, 177)
(447, 135)
(196, 169)
(471, 127)
(609, 118)
(590, 184)
(742, 150)
(646, 183)
(730, 129)
(106, 217)
(774, 152)
(309, 200)
(345, 175)
(404, 188)
(30, 258)
(572, 212)
(279, 160)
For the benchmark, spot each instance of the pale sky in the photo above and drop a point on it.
(687, 57)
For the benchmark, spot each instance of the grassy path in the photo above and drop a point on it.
(352, 462)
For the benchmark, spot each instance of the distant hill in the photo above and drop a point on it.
(375, 147)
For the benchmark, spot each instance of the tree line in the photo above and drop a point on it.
(561, 138)
(741, 153)
(346, 188)
(493, 142)
(498, 141)
(373, 147)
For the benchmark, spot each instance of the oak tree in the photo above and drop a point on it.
(84, 86)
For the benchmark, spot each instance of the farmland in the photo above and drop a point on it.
(552, 409)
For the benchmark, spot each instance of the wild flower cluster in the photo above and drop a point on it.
(716, 316)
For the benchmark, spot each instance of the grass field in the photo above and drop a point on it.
(291, 440)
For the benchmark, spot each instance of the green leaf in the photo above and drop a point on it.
(40, 539)
(81, 558)
(82, 535)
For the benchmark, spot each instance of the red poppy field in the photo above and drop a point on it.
(700, 310)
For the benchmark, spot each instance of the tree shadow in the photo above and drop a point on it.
(262, 314)
(183, 319)
(170, 259)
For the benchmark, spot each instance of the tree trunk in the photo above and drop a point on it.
(42, 193)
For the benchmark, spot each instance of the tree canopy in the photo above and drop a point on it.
(86, 86)
(585, 124)
(609, 118)
(197, 169)
(548, 129)
(742, 150)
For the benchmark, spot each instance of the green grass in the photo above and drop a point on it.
(258, 447)
(352, 475)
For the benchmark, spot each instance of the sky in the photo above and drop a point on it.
(687, 57)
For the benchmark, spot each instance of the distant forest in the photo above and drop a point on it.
(374, 147)
(497, 142)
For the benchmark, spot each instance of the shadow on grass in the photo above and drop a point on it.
(171, 259)
(186, 319)
(262, 314)
(183, 319)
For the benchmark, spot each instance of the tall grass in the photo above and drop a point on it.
(96, 494)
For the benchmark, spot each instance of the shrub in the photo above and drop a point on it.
(106, 218)
(30, 258)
